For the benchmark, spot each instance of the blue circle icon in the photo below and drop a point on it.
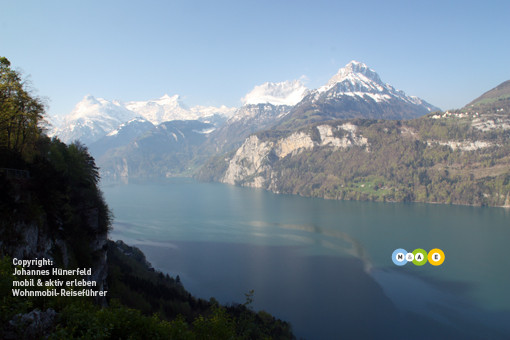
(399, 257)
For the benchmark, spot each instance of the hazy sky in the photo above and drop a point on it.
(214, 52)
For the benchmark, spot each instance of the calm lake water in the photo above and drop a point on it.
(325, 266)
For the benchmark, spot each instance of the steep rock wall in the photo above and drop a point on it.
(251, 165)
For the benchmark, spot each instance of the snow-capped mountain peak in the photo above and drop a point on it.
(282, 93)
(170, 100)
(356, 79)
(92, 118)
(160, 110)
(356, 67)
(90, 106)
(355, 76)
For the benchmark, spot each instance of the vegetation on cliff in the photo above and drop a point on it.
(135, 284)
(143, 303)
(47, 186)
(51, 207)
(459, 157)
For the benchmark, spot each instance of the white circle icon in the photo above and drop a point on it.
(410, 257)
(400, 257)
(436, 257)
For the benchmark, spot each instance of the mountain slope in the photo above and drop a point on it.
(452, 157)
(121, 136)
(500, 93)
(493, 107)
(264, 106)
(356, 91)
(247, 120)
(168, 149)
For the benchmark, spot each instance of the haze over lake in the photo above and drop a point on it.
(325, 266)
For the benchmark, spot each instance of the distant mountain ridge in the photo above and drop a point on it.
(92, 118)
(165, 150)
(123, 135)
(168, 108)
(111, 129)
(356, 91)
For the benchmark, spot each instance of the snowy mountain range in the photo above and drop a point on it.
(168, 108)
(114, 130)
(355, 91)
(93, 118)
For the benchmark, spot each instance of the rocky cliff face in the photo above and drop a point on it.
(32, 229)
(252, 163)
(33, 243)
(36, 242)
(99, 247)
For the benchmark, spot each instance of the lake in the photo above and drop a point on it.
(325, 266)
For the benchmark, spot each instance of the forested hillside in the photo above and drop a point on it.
(48, 188)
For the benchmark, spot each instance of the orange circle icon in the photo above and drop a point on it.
(436, 257)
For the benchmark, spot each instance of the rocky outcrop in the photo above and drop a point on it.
(350, 137)
(34, 325)
(100, 267)
(35, 239)
(33, 242)
(465, 145)
(293, 144)
(250, 159)
(251, 165)
(36, 242)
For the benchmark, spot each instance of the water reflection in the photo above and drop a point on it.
(345, 244)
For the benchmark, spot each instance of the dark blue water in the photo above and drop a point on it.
(325, 266)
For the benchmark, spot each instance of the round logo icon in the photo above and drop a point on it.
(420, 257)
(436, 257)
(399, 257)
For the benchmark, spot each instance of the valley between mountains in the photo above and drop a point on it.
(354, 138)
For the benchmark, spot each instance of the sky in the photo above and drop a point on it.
(214, 52)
